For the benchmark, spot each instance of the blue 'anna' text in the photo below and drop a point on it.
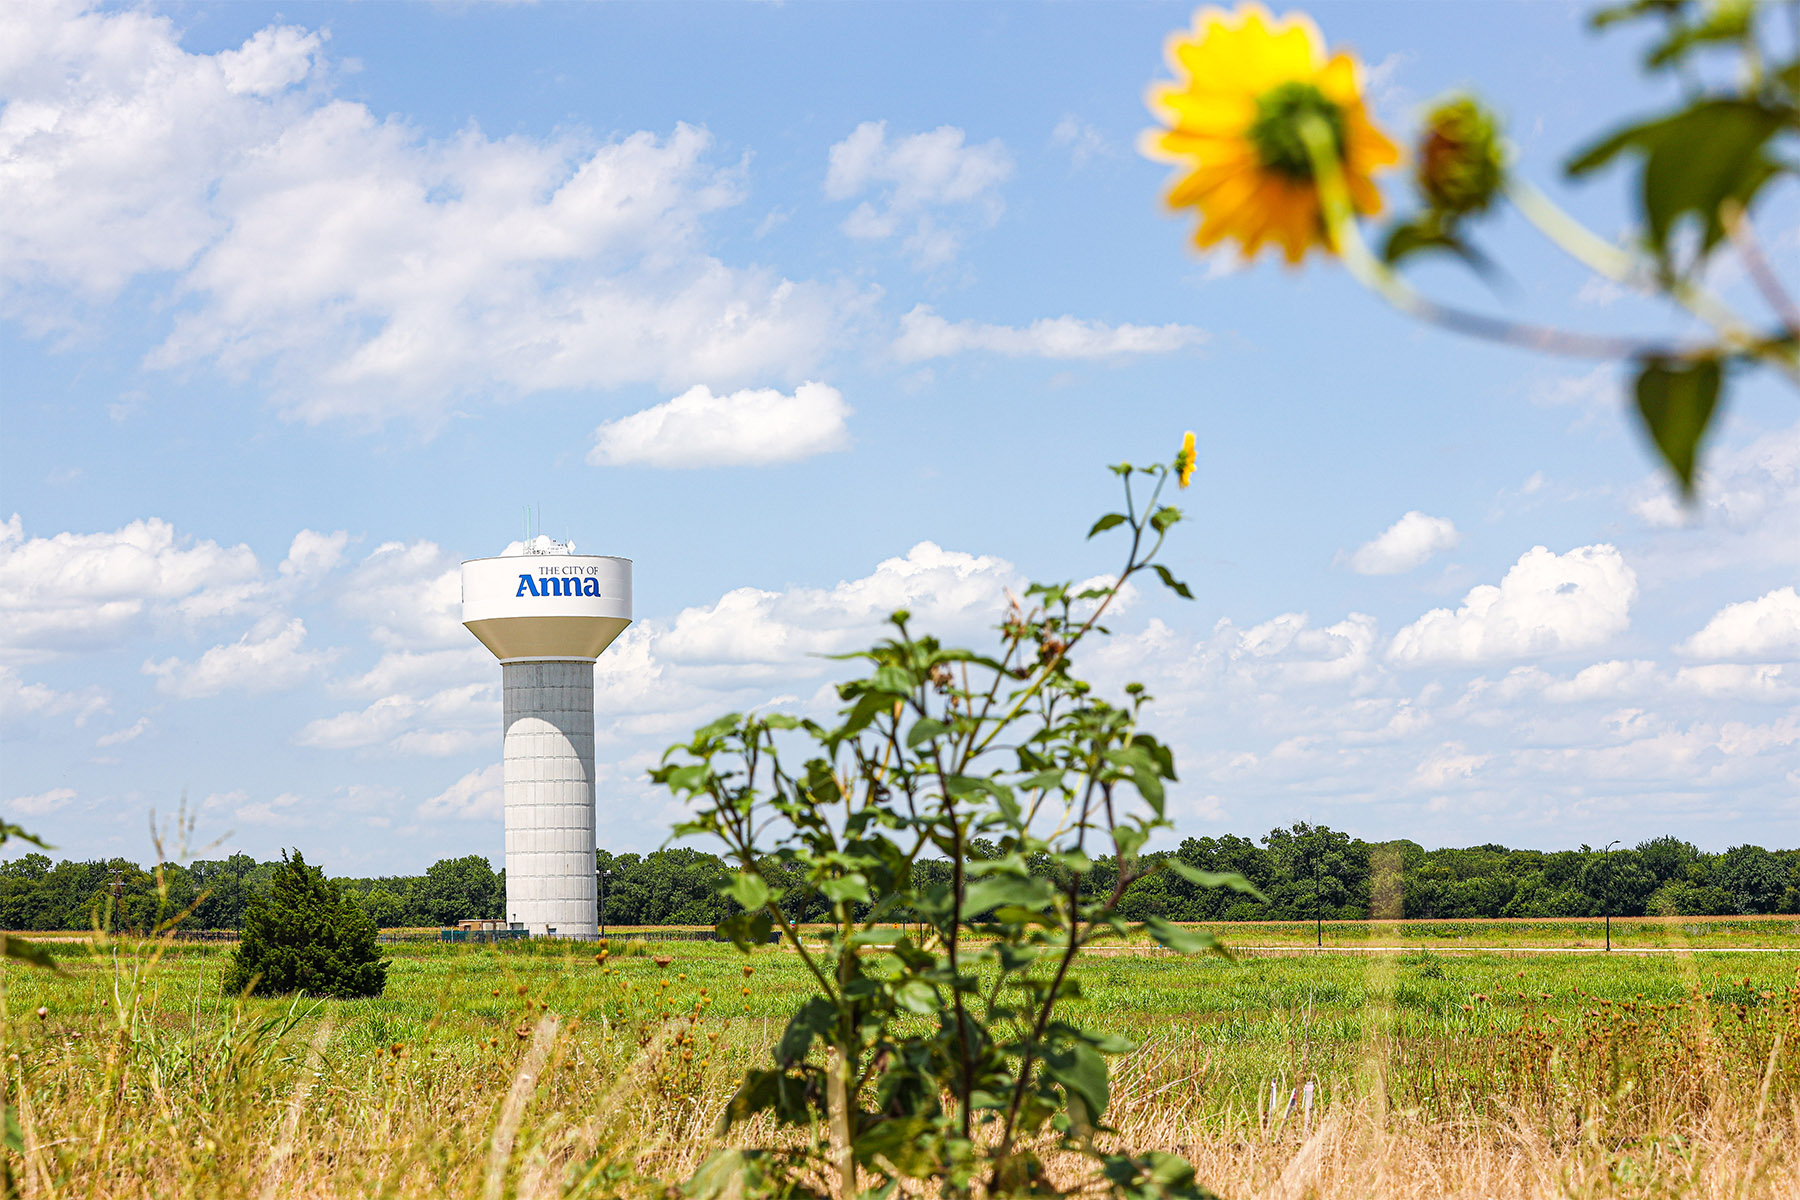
(551, 586)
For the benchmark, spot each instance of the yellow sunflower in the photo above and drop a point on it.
(1246, 81)
(1185, 459)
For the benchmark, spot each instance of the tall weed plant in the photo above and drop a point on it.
(934, 1046)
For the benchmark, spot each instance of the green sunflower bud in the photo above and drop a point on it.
(1460, 161)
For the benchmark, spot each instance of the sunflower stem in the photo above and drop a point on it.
(1347, 242)
(1603, 258)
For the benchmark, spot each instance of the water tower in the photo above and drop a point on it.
(547, 614)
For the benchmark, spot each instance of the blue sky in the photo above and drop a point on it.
(815, 311)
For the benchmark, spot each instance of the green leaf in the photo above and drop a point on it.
(1153, 1176)
(847, 889)
(923, 730)
(895, 681)
(1173, 584)
(1107, 522)
(748, 889)
(8, 831)
(813, 1019)
(1676, 401)
(904, 1142)
(1183, 940)
(917, 996)
(32, 952)
(1213, 879)
(1425, 234)
(1162, 518)
(1082, 1072)
(1693, 162)
(1075, 860)
(747, 929)
(984, 894)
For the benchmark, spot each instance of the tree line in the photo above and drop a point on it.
(1302, 871)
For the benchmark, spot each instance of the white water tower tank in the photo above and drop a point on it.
(547, 614)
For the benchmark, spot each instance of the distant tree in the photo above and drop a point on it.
(458, 889)
(1679, 898)
(384, 908)
(1755, 878)
(306, 936)
(1618, 883)
(225, 887)
(1668, 857)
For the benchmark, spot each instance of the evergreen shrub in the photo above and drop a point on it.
(308, 936)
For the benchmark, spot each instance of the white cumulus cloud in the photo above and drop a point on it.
(452, 720)
(20, 700)
(313, 553)
(748, 626)
(1451, 764)
(1765, 682)
(1405, 544)
(1547, 603)
(119, 737)
(436, 271)
(1603, 681)
(410, 593)
(271, 657)
(479, 794)
(925, 335)
(1767, 627)
(42, 803)
(1084, 142)
(81, 591)
(921, 180)
(757, 427)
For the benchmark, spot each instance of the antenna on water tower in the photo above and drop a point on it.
(547, 614)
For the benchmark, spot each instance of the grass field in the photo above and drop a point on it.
(528, 1069)
(1562, 933)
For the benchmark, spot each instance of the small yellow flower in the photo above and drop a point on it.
(1184, 461)
(1246, 81)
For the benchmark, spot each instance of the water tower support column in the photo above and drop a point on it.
(549, 756)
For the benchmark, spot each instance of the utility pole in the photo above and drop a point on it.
(1606, 883)
(117, 885)
(1318, 912)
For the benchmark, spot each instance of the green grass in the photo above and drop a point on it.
(1257, 1011)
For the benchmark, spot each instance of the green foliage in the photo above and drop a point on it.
(1353, 880)
(1701, 167)
(306, 936)
(17, 947)
(948, 823)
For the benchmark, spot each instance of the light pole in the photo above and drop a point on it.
(1606, 883)
(604, 876)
